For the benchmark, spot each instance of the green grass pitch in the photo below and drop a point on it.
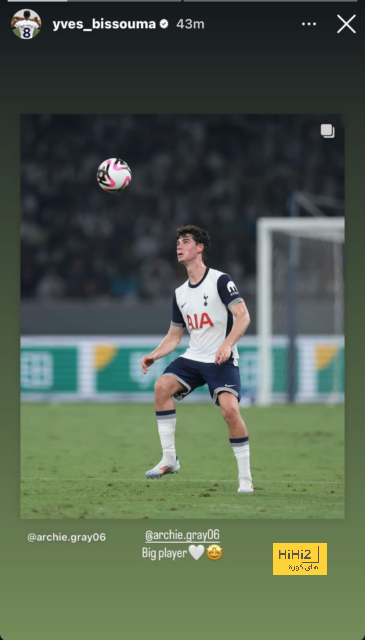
(88, 461)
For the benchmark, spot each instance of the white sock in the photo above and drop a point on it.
(241, 450)
(166, 421)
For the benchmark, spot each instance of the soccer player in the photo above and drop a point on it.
(26, 25)
(209, 305)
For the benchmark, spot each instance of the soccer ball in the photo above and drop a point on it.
(114, 175)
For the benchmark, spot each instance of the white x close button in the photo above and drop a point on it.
(346, 23)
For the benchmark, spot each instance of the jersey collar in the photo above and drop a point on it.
(194, 286)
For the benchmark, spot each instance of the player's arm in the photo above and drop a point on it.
(168, 344)
(170, 341)
(232, 299)
(242, 321)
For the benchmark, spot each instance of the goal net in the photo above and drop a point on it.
(300, 309)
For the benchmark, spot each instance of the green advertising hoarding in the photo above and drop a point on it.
(103, 368)
(49, 370)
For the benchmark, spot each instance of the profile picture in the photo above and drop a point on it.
(26, 24)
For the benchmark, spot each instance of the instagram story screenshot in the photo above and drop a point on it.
(182, 346)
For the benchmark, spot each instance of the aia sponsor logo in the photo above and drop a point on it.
(199, 321)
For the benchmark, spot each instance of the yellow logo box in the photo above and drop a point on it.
(299, 559)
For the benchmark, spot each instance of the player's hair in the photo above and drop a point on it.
(26, 14)
(199, 236)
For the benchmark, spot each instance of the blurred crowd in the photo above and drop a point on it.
(218, 172)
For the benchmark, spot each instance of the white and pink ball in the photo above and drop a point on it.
(114, 175)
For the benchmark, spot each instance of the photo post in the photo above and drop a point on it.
(211, 239)
(182, 438)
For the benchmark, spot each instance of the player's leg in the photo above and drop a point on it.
(165, 388)
(231, 414)
(238, 437)
(178, 380)
(224, 386)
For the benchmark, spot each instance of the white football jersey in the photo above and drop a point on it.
(26, 28)
(204, 309)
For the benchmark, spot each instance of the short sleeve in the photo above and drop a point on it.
(228, 291)
(177, 317)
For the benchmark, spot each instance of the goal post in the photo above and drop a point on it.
(299, 290)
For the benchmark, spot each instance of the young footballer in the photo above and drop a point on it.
(209, 305)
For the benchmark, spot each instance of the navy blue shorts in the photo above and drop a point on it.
(193, 374)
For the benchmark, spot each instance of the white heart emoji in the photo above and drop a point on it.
(196, 552)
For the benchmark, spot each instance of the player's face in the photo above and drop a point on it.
(187, 249)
